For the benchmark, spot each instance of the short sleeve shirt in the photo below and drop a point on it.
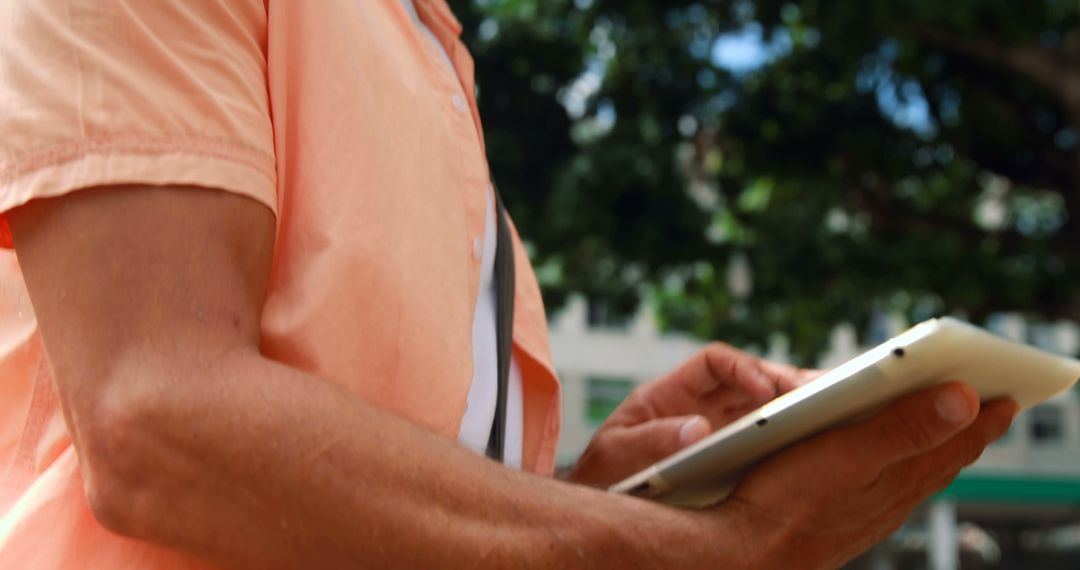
(337, 115)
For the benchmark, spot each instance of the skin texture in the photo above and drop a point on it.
(148, 300)
(717, 386)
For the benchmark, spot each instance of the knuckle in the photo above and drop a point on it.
(865, 475)
(900, 480)
(842, 471)
(717, 358)
(639, 406)
(933, 473)
(877, 482)
(600, 449)
(637, 397)
(909, 432)
(1000, 426)
(591, 456)
(907, 484)
(921, 474)
(717, 346)
(708, 354)
(970, 451)
(722, 357)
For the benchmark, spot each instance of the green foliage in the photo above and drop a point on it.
(918, 156)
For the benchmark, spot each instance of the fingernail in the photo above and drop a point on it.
(953, 407)
(693, 430)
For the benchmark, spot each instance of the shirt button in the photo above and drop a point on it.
(459, 103)
(477, 249)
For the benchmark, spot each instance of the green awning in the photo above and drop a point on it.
(985, 488)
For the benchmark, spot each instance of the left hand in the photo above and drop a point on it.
(715, 387)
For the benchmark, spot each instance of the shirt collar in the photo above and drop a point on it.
(445, 16)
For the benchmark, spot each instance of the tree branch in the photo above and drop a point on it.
(1057, 71)
(1051, 69)
(887, 212)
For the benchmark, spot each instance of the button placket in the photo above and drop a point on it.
(459, 102)
(477, 249)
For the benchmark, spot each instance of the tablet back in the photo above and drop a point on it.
(933, 352)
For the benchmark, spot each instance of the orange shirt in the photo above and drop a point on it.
(337, 114)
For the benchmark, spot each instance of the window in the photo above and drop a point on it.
(1046, 425)
(1042, 336)
(605, 313)
(603, 395)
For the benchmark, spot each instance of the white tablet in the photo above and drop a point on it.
(932, 352)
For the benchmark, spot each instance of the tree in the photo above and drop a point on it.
(863, 156)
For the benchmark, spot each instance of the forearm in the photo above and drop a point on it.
(188, 437)
(260, 465)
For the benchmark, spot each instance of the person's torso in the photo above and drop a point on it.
(480, 408)
(382, 194)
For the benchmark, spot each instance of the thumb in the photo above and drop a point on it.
(619, 452)
(654, 440)
(693, 430)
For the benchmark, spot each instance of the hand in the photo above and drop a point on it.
(823, 502)
(717, 386)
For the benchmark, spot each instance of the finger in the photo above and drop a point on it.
(729, 367)
(716, 379)
(719, 382)
(725, 406)
(911, 482)
(917, 424)
(620, 451)
(788, 377)
(930, 472)
(728, 403)
(642, 445)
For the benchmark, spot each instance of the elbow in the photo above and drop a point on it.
(121, 460)
(108, 503)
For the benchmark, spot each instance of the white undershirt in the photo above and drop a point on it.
(480, 409)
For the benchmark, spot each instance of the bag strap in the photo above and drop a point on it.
(504, 327)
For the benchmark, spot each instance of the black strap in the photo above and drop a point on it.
(504, 327)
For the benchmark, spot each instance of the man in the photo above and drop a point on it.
(251, 323)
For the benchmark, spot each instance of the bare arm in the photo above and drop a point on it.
(148, 302)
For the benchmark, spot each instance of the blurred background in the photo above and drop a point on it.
(803, 179)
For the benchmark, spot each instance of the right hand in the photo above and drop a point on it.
(827, 500)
